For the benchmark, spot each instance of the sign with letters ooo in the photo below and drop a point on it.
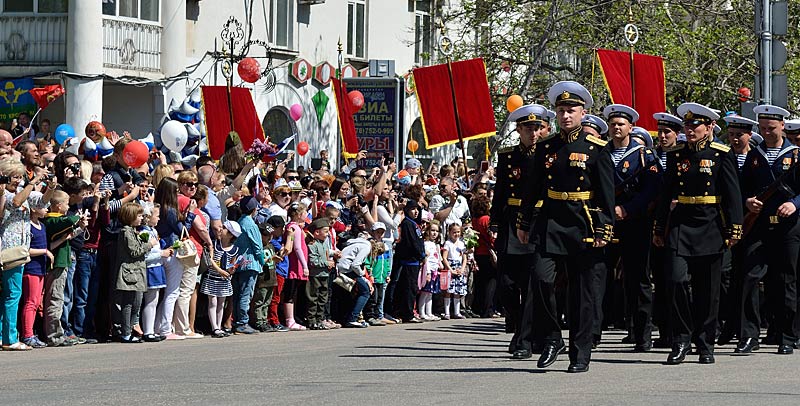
(379, 122)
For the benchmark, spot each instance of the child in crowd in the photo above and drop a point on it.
(251, 248)
(217, 280)
(380, 265)
(33, 278)
(320, 262)
(454, 250)
(60, 229)
(429, 276)
(156, 276)
(131, 279)
(295, 246)
(266, 281)
(281, 271)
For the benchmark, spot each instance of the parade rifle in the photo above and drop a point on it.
(776, 186)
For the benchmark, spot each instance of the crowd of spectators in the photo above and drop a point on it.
(240, 246)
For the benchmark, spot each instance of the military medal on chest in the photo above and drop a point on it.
(549, 160)
(516, 173)
(787, 162)
(625, 166)
(578, 159)
(705, 166)
(683, 166)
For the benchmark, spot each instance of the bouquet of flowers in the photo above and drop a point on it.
(144, 236)
(470, 238)
(263, 150)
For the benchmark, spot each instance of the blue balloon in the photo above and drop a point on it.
(64, 132)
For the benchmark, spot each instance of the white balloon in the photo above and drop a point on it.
(173, 104)
(196, 97)
(174, 156)
(149, 140)
(187, 108)
(201, 128)
(191, 130)
(189, 160)
(89, 145)
(202, 146)
(174, 136)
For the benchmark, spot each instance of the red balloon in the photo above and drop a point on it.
(302, 148)
(95, 130)
(356, 99)
(249, 70)
(135, 154)
(744, 94)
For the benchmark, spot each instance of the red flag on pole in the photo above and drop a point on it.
(435, 99)
(650, 83)
(347, 126)
(45, 95)
(218, 123)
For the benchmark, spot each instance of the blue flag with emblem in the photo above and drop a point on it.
(15, 98)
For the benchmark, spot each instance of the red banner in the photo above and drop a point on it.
(435, 99)
(217, 117)
(347, 126)
(649, 78)
(45, 95)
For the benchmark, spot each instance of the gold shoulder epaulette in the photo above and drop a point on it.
(546, 138)
(595, 140)
(720, 147)
(506, 150)
(648, 151)
(677, 147)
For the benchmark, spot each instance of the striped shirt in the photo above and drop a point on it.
(617, 154)
(662, 156)
(740, 159)
(772, 155)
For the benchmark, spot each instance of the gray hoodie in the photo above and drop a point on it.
(354, 255)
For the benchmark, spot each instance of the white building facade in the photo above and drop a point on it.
(123, 61)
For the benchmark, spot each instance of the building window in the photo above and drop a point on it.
(35, 6)
(356, 28)
(141, 9)
(423, 40)
(282, 16)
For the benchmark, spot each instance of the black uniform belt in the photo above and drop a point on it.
(574, 196)
(699, 199)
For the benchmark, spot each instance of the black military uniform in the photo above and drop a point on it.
(573, 176)
(771, 248)
(637, 182)
(514, 257)
(708, 216)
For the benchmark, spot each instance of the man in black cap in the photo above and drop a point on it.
(514, 258)
(573, 176)
(707, 218)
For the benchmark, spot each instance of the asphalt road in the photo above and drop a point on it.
(460, 362)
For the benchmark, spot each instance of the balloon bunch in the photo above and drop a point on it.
(93, 142)
(182, 134)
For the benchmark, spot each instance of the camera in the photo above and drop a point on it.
(75, 168)
(361, 201)
(4, 179)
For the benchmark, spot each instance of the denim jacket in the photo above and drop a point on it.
(250, 245)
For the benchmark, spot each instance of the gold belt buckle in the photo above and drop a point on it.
(773, 219)
(565, 195)
(692, 200)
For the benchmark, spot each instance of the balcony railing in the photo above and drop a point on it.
(131, 45)
(33, 40)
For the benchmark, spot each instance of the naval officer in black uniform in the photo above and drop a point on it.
(514, 257)
(574, 177)
(707, 218)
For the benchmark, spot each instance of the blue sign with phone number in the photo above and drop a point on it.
(378, 122)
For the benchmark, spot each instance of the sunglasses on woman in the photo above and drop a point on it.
(284, 194)
(190, 184)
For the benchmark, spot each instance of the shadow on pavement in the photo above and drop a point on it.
(459, 370)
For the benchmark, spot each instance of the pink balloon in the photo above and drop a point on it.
(296, 111)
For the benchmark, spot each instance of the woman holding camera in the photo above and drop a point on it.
(15, 231)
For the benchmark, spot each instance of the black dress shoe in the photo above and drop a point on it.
(796, 345)
(746, 346)
(521, 354)
(644, 347)
(550, 353)
(785, 349)
(678, 354)
(707, 358)
(596, 341)
(577, 368)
